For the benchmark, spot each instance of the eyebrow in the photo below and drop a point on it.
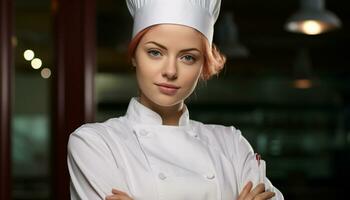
(163, 47)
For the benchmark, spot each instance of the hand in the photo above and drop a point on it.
(118, 195)
(258, 193)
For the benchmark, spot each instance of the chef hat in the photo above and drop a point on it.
(198, 14)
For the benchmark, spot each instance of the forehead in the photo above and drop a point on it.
(174, 35)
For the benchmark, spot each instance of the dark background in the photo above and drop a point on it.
(303, 134)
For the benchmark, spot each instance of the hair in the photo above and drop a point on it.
(214, 60)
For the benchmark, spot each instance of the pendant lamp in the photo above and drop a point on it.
(303, 75)
(312, 19)
(226, 36)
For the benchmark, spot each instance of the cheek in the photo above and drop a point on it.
(191, 77)
(143, 75)
(145, 68)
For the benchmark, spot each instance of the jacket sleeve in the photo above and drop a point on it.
(92, 167)
(248, 167)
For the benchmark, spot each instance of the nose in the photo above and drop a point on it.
(170, 70)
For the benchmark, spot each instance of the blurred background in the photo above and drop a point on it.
(286, 86)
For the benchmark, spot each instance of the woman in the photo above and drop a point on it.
(155, 151)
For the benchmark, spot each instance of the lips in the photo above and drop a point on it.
(167, 89)
(168, 85)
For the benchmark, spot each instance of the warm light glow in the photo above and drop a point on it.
(311, 27)
(14, 41)
(28, 55)
(303, 83)
(36, 63)
(46, 73)
(292, 26)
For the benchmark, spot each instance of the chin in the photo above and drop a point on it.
(153, 96)
(166, 101)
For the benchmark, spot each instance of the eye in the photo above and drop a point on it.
(154, 53)
(189, 58)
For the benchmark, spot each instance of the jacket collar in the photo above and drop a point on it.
(140, 114)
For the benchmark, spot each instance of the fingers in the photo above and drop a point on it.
(118, 195)
(245, 191)
(260, 188)
(116, 191)
(112, 197)
(264, 196)
(258, 193)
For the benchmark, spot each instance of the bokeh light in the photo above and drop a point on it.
(46, 73)
(28, 55)
(36, 63)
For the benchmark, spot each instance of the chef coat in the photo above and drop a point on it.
(135, 153)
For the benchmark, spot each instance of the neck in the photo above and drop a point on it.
(170, 114)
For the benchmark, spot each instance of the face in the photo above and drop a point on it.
(169, 61)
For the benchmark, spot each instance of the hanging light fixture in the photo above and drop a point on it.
(227, 37)
(303, 75)
(312, 18)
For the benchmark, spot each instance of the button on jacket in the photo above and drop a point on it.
(135, 153)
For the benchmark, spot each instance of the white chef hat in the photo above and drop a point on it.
(198, 14)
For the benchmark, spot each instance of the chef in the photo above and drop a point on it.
(155, 151)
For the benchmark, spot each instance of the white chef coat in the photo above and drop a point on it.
(135, 153)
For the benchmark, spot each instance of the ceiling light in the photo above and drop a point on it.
(227, 37)
(312, 18)
(303, 75)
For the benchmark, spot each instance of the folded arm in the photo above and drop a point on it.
(92, 167)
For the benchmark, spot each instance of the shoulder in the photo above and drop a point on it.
(228, 138)
(217, 130)
(98, 133)
(101, 128)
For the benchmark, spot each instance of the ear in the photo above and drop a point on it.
(133, 62)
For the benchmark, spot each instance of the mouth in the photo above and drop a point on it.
(168, 85)
(167, 89)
